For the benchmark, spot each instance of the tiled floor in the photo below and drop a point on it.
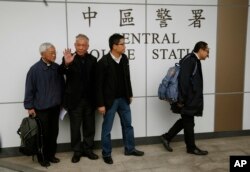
(156, 159)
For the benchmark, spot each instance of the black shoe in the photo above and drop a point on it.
(44, 163)
(135, 153)
(54, 159)
(108, 160)
(197, 151)
(166, 143)
(75, 158)
(90, 155)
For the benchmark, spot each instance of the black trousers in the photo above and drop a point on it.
(187, 123)
(82, 118)
(50, 126)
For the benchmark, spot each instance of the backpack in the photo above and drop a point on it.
(30, 132)
(168, 89)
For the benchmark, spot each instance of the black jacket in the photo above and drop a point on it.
(76, 86)
(191, 87)
(105, 81)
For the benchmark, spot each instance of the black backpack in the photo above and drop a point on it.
(31, 134)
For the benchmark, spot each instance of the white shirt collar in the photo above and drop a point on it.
(197, 55)
(48, 64)
(117, 60)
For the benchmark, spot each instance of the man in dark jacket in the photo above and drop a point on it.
(191, 96)
(43, 98)
(79, 69)
(114, 94)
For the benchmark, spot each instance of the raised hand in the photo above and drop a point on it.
(68, 57)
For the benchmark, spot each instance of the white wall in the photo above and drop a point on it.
(246, 110)
(25, 25)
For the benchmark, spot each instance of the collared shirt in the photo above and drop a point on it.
(117, 60)
(197, 55)
(44, 86)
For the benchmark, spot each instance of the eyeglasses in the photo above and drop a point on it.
(121, 44)
(207, 50)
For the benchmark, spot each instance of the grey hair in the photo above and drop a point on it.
(44, 46)
(82, 36)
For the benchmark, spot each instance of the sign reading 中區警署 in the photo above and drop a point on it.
(156, 36)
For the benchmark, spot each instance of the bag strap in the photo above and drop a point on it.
(195, 68)
(40, 138)
(177, 67)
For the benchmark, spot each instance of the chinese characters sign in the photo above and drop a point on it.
(162, 15)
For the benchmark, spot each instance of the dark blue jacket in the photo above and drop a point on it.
(44, 86)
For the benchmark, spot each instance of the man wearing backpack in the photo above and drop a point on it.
(191, 96)
(43, 97)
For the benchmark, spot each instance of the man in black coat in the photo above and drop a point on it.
(79, 69)
(114, 94)
(191, 96)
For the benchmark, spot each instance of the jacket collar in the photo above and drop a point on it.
(46, 66)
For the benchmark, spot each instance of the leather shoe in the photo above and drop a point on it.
(108, 160)
(44, 163)
(135, 153)
(90, 155)
(166, 144)
(197, 151)
(54, 160)
(75, 158)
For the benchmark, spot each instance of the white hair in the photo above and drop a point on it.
(82, 36)
(44, 46)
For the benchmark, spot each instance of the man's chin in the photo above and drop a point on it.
(80, 53)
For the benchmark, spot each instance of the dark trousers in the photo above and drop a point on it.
(187, 123)
(82, 117)
(50, 126)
